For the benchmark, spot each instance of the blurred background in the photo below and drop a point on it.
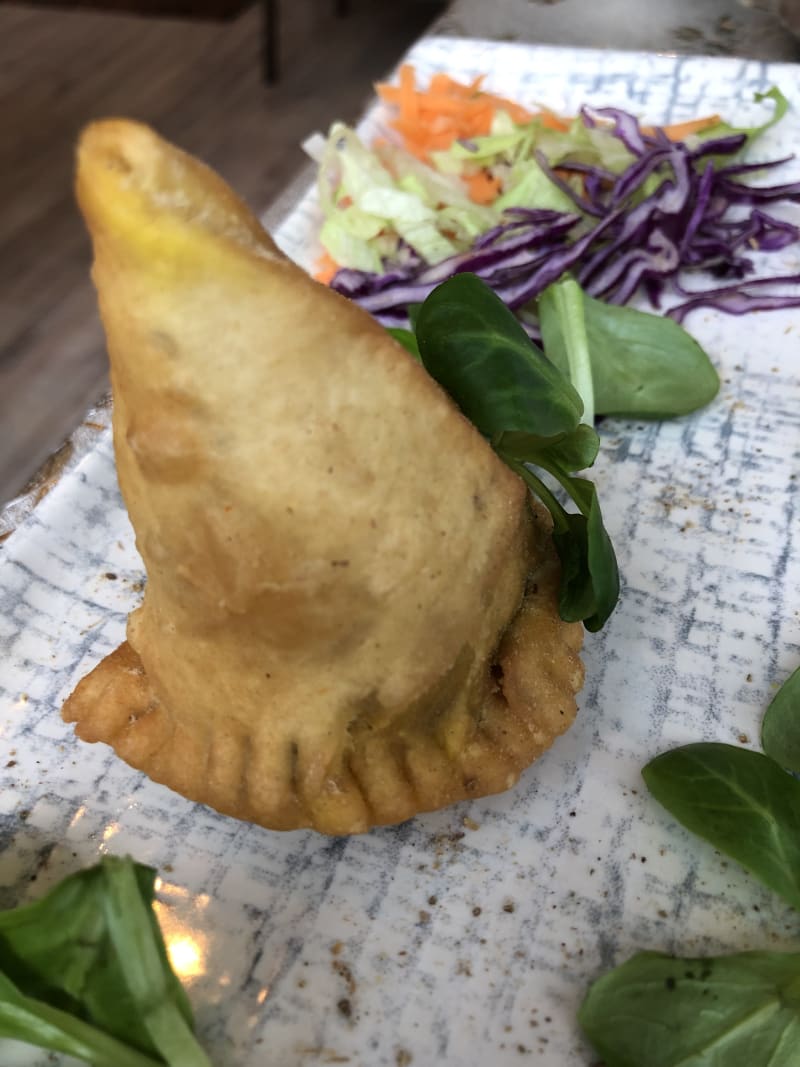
(241, 85)
(238, 84)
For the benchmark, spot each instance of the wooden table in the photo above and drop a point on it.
(216, 10)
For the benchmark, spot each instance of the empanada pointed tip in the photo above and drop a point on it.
(143, 192)
(115, 143)
(117, 163)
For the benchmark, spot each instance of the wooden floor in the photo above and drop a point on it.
(199, 84)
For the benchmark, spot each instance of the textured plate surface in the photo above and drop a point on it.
(468, 936)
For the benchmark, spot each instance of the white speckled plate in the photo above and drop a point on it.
(468, 936)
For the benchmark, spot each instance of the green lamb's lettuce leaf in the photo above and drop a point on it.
(573, 451)
(741, 801)
(84, 970)
(637, 364)
(476, 348)
(406, 338)
(589, 587)
(780, 727)
(37, 1023)
(731, 1011)
(562, 319)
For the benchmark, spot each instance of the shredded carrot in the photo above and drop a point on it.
(678, 131)
(408, 96)
(551, 121)
(431, 119)
(482, 187)
(325, 268)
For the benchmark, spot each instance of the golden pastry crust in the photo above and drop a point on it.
(350, 614)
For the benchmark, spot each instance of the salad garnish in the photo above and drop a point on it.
(84, 971)
(521, 198)
(536, 407)
(667, 1011)
(780, 727)
(531, 414)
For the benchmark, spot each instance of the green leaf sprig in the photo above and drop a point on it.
(477, 350)
(730, 1011)
(597, 359)
(84, 971)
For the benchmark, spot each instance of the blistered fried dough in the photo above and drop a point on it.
(350, 614)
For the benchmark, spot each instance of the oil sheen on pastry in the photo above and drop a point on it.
(350, 611)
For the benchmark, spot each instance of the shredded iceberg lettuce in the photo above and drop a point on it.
(376, 200)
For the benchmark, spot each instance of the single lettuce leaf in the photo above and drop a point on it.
(780, 727)
(741, 801)
(37, 1023)
(593, 145)
(563, 322)
(730, 1011)
(474, 346)
(642, 365)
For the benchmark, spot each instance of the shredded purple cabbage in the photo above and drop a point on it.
(740, 298)
(675, 208)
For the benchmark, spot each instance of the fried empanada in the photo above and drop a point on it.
(350, 612)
